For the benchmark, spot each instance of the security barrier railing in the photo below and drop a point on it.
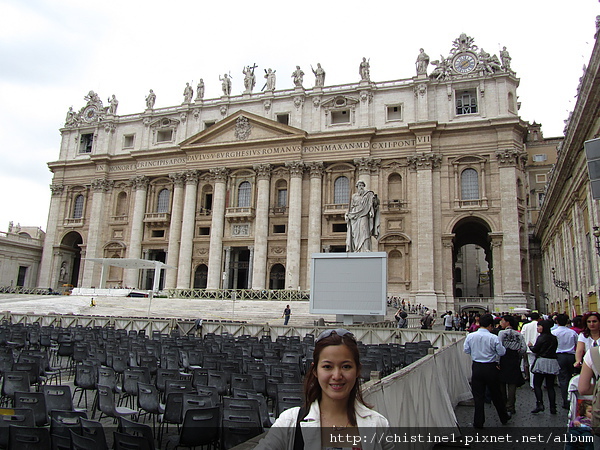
(239, 294)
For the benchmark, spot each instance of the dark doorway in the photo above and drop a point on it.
(155, 255)
(277, 277)
(70, 244)
(238, 268)
(21, 276)
(201, 276)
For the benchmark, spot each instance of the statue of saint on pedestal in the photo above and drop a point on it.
(362, 219)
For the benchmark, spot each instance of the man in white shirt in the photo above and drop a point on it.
(530, 334)
(565, 355)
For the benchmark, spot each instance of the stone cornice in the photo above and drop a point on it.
(424, 161)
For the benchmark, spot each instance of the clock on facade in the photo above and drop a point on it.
(464, 63)
(90, 113)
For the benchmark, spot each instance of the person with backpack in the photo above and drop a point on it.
(402, 318)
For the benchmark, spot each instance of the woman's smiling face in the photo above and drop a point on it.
(337, 372)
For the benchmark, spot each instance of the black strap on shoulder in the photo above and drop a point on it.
(298, 439)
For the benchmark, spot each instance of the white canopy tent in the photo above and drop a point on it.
(130, 263)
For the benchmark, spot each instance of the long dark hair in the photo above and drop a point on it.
(312, 388)
(586, 316)
(546, 326)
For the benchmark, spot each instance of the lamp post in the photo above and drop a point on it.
(596, 234)
(563, 285)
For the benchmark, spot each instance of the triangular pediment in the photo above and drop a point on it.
(243, 127)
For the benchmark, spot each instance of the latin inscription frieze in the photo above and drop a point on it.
(257, 152)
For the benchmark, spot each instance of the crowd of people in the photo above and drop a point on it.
(508, 351)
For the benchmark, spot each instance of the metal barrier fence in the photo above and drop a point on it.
(25, 290)
(239, 294)
(367, 333)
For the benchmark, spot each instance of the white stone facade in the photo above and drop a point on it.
(20, 256)
(239, 191)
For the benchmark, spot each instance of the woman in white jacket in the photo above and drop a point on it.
(334, 413)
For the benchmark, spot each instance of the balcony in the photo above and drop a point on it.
(480, 203)
(202, 213)
(157, 219)
(70, 222)
(119, 220)
(394, 206)
(243, 214)
(335, 211)
(279, 210)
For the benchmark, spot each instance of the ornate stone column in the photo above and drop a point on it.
(292, 264)
(448, 271)
(175, 230)
(314, 212)
(250, 266)
(509, 162)
(91, 270)
(216, 228)
(227, 268)
(364, 171)
(47, 278)
(187, 230)
(140, 186)
(497, 258)
(423, 164)
(261, 227)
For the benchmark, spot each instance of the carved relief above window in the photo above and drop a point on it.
(340, 110)
(469, 183)
(164, 130)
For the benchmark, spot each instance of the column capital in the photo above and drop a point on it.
(219, 174)
(139, 182)
(424, 161)
(178, 178)
(191, 176)
(57, 189)
(316, 169)
(263, 171)
(102, 185)
(511, 157)
(367, 165)
(296, 168)
(496, 239)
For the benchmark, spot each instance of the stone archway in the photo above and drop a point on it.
(201, 276)
(69, 259)
(277, 277)
(472, 259)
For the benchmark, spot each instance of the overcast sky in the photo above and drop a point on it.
(52, 52)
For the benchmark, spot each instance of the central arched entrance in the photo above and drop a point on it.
(70, 259)
(472, 260)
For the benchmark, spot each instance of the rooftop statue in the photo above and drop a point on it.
(505, 58)
(150, 100)
(249, 78)
(188, 93)
(422, 62)
(226, 84)
(271, 78)
(200, 90)
(319, 75)
(362, 219)
(298, 76)
(364, 69)
(113, 104)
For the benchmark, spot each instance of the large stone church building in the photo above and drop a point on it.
(237, 192)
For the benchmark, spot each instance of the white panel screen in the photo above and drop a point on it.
(349, 283)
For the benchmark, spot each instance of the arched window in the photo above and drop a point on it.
(121, 204)
(341, 191)
(244, 195)
(394, 187)
(78, 207)
(162, 205)
(469, 185)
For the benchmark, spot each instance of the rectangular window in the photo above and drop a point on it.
(164, 136)
(21, 276)
(394, 112)
(283, 118)
(540, 158)
(282, 198)
(340, 116)
(209, 123)
(128, 140)
(466, 102)
(204, 231)
(339, 228)
(158, 233)
(278, 229)
(540, 178)
(85, 143)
